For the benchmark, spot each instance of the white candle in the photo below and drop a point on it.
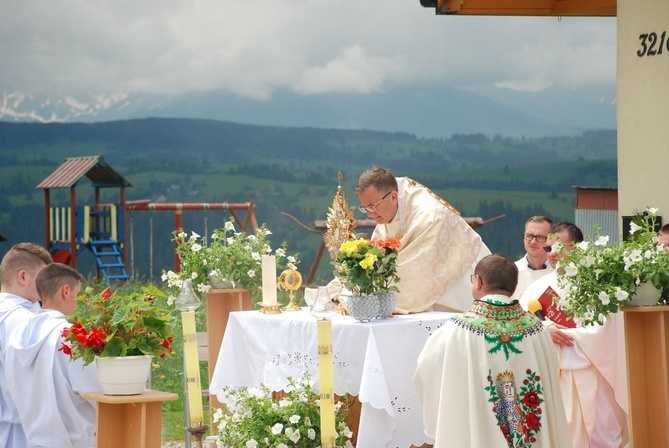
(269, 280)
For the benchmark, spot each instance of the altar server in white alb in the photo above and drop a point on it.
(593, 374)
(18, 301)
(488, 377)
(45, 385)
(439, 249)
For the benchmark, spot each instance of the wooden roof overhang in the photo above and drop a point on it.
(585, 8)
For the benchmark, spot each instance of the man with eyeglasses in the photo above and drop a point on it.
(534, 263)
(439, 250)
(592, 359)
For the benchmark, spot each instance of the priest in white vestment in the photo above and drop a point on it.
(18, 301)
(488, 377)
(593, 375)
(438, 251)
(44, 384)
(534, 264)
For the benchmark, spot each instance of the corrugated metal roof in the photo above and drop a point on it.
(74, 168)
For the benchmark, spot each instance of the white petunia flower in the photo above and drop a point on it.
(604, 298)
(602, 241)
(277, 428)
(653, 211)
(294, 419)
(311, 433)
(256, 256)
(588, 261)
(620, 294)
(229, 226)
(293, 434)
(196, 247)
(634, 228)
(571, 270)
(193, 275)
(252, 444)
(251, 273)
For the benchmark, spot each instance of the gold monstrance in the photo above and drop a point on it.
(340, 223)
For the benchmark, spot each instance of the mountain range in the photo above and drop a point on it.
(427, 112)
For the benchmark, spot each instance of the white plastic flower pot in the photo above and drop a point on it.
(123, 375)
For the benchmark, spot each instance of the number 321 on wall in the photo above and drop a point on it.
(651, 45)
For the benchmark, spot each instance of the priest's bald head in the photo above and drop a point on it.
(494, 274)
(377, 191)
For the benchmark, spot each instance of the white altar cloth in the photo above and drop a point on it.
(374, 360)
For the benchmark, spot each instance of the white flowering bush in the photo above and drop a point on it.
(250, 418)
(229, 257)
(599, 278)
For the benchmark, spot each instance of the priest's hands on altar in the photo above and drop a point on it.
(560, 337)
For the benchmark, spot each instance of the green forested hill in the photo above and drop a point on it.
(293, 170)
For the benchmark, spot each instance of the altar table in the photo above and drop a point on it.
(374, 360)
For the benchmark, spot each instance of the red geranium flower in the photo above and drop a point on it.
(65, 349)
(95, 339)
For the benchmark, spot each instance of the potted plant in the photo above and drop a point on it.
(120, 327)
(228, 259)
(252, 418)
(599, 278)
(368, 268)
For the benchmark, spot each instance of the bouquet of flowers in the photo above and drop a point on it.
(368, 266)
(230, 257)
(251, 418)
(116, 323)
(599, 278)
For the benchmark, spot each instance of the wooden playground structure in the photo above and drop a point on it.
(101, 227)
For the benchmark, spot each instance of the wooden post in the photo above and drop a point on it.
(220, 303)
(647, 344)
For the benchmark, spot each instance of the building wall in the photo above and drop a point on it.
(643, 107)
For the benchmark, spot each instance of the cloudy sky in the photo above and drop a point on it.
(253, 48)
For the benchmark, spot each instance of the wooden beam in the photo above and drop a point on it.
(595, 8)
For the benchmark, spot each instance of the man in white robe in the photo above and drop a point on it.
(18, 301)
(593, 376)
(488, 377)
(45, 385)
(438, 251)
(534, 263)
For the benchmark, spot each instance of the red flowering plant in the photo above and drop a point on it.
(115, 323)
(368, 266)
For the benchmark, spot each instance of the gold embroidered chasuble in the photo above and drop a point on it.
(438, 253)
(488, 378)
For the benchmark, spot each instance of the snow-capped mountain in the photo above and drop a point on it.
(424, 111)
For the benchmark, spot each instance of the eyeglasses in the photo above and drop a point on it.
(372, 208)
(548, 249)
(539, 238)
(472, 277)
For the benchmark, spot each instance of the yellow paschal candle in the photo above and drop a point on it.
(192, 369)
(326, 382)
